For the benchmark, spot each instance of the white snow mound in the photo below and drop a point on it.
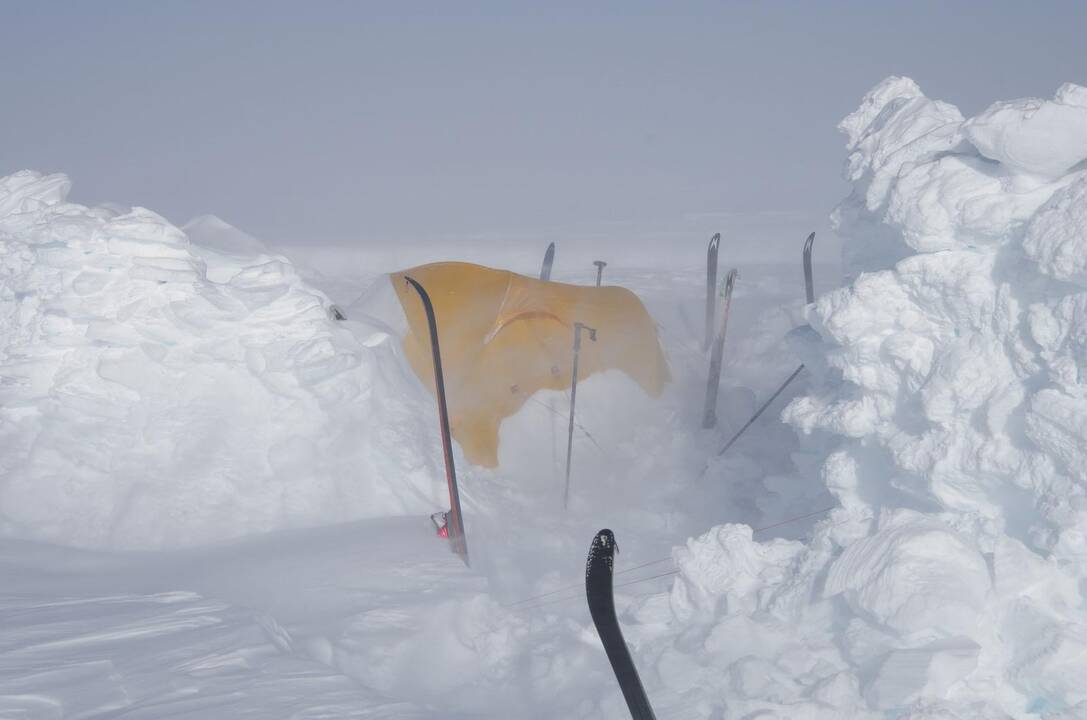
(152, 396)
(950, 582)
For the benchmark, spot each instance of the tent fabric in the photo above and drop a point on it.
(504, 336)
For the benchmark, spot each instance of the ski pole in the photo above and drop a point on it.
(578, 327)
(711, 288)
(761, 410)
(456, 519)
(599, 270)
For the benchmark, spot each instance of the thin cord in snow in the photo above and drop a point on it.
(580, 427)
(581, 594)
(578, 586)
(651, 577)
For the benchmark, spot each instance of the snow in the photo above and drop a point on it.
(218, 403)
(958, 404)
(182, 392)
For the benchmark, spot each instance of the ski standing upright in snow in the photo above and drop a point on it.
(711, 288)
(809, 278)
(709, 416)
(599, 567)
(548, 261)
(809, 295)
(455, 525)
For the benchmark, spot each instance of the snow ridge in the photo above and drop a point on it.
(157, 394)
(947, 585)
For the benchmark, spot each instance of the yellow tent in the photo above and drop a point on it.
(505, 336)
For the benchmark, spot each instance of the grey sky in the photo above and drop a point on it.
(354, 122)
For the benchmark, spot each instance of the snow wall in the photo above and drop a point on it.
(952, 406)
(156, 393)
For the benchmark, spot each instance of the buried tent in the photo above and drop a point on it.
(504, 336)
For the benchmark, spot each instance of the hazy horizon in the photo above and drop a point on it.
(361, 123)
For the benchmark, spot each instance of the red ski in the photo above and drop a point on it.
(454, 527)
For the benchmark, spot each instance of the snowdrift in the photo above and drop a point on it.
(954, 403)
(155, 393)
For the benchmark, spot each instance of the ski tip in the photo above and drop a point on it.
(809, 242)
(715, 241)
(604, 545)
(601, 553)
(604, 538)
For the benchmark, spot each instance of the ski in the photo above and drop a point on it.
(711, 288)
(809, 295)
(548, 261)
(455, 524)
(709, 416)
(598, 590)
(809, 278)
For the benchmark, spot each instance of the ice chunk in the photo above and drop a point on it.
(905, 676)
(913, 576)
(1056, 238)
(1043, 137)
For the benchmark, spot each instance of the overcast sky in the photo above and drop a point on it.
(358, 122)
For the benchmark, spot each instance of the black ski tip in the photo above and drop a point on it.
(715, 241)
(809, 242)
(601, 553)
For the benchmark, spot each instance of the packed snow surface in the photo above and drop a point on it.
(161, 390)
